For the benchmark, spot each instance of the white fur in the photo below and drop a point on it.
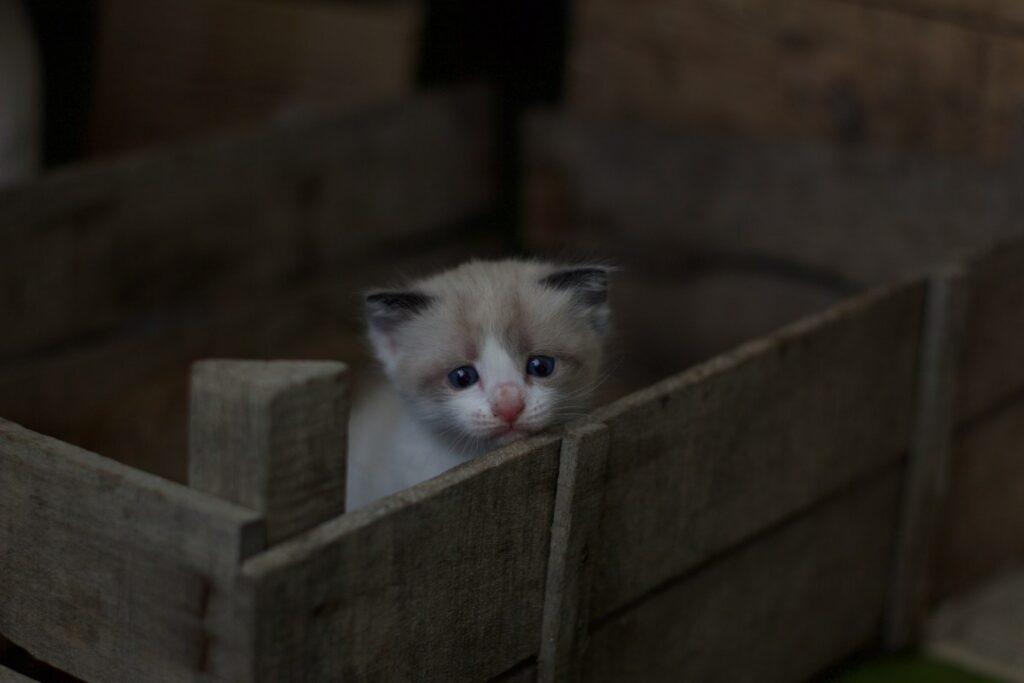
(492, 316)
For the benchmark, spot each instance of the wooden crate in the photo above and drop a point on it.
(796, 479)
(254, 573)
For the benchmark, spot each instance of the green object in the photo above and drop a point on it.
(905, 669)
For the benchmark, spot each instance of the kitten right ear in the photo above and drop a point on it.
(386, 312)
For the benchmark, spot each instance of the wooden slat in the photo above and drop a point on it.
(271, 436)
(689, 202)
(9, 676)
(443, 581)
(838, 70)
(983, 520)
(987, 16)
(574, 530)
(981, 631)
(201, 64)
(992, 370)
(703, 460)
(231, 219)
(782, 608)
(111, 574)
(927, 472)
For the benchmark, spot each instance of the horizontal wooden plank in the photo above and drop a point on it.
(680, 201)
(982, 525)
(111, 574)
(443, 581)
(836, 70)
(992, 367)
(782, 608)
(987, 16)
(202, 64)
(226, 220)
(703, 460)
(9, 676)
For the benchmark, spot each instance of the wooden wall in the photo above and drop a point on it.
(656, 531)
(982, 527)
(167, 70)
(935, 75)
(725, 237)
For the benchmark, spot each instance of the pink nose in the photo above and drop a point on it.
(507, 402)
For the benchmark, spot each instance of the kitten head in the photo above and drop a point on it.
(491, 351)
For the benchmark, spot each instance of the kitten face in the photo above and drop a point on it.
(491, 351)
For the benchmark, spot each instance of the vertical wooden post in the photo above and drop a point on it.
(271, 436)
(574, 532)
(927, 466)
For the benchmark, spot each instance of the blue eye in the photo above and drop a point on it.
(463, 377)
(540, 366)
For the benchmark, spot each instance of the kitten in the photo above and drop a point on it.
(476, 357)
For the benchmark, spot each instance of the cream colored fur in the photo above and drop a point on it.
(493, 316)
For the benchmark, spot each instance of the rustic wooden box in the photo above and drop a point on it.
(785, 495)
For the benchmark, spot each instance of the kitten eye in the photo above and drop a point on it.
(463, 377)
(540, 366)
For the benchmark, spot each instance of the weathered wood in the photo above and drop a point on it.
(202, 64)
(680, 201)
(982, 630)
(838, 70)
(703, 460)
(9, 676)
(271, 436)
(992, 371)
(443, 581)
(581, 469)
(987, 16)
(781, 608)
(927, 471)
(116, 244)
(983, 520)
(111, 574)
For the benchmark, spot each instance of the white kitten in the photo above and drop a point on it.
(20, 108)
(477, 356)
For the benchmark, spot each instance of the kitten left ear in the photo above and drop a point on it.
(589, 287)
(386, 312)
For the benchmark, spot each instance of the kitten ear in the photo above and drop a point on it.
(386, 312)
(589, 286)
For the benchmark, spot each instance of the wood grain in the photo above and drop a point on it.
(842, 71)
(9, 676)
(925, 482)
(271, 436)
(701, 461)
(781, 608)
(690, 202)
(442, 581)
(116, 245)
(983, 521)
(992, 368)
(581, 472)
(111, 574)
(199, 65)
